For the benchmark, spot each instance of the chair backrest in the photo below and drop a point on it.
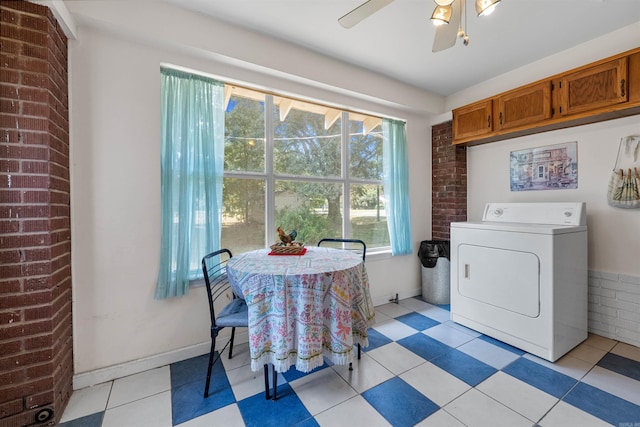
(354, 245)
(214, 267)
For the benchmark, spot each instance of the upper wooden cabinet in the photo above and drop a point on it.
(529, 104)
(604, 90)
(473, 120)
(594, 87)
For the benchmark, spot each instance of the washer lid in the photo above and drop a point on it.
(515, 227)
(563, 213)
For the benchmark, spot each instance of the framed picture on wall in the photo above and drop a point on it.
(552, 167)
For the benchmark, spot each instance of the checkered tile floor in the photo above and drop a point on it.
(419, 369)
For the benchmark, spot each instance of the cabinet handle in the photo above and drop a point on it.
(622, 82)
(500, 118)
(489, 122)
(466, 271)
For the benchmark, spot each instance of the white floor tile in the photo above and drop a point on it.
(381, 317)
(366, 373)
(154, 411)
(626, 350)
(396, 358)
(587, 353)
(619, 385)
(322, 390)
(488, 353)
(392, 309)
(568, 365)
(414, 304)
(518, 395)
(241, 357)
(245, 382)
(448, 335)
(440, 418)
(600, 342)
(563, 415)
(227, 416)
(436, 313)
(139, 386)
(394, 329)
(356, 410)
(459, 327)
(476, 409)
(438, 385)
(87, 401)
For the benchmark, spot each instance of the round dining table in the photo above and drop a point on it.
(303, 308)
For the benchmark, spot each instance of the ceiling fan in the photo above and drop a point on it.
(447, 16)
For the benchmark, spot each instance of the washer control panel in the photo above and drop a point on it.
(556, 213)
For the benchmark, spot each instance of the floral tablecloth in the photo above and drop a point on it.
(303, 308)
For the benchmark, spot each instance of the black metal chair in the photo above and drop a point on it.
(354, 245)
(233, 315)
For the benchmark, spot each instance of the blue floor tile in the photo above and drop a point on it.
(287, 410)
(464, 367)
(399, 403)
(621, 365)
(424, 346)
(417, 321)
(187, 389)
(603, 405)
(93, 420)
(190, 370)
(502, 345)
(376, 339)
(541, 377)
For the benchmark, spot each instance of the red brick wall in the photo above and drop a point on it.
(449, 181)
(36, 366)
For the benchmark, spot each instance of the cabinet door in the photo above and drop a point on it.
(473, 120)
(594, 88)
(527, 105)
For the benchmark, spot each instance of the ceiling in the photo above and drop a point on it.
(397, 40)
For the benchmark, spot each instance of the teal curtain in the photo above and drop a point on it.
(396, 185)
(192, 165)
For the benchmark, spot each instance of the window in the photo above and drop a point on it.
(237, 163)
(302, 166)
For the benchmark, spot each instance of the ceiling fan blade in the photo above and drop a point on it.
(446, 34)
(361, 12)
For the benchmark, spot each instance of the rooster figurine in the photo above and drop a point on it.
(287, 238)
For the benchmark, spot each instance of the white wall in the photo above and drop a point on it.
(115, 176)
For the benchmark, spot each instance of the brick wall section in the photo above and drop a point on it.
(614, 306)
(36, 366)
(449, 181)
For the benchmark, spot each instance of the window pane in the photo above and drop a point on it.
(313, 209)
(302, 145)
(368, 218)
(244, 148)
(365, 150)
(243, 216)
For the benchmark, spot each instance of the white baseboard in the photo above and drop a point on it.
(110, 373)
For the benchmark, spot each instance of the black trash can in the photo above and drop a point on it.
(436, 271)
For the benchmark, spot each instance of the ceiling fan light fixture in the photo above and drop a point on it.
(444, 2)
(486, 7)
(441, 15)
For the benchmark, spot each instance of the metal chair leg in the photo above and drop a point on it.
(267, 395)
(211, 354)
(275, 381)
(233, 334)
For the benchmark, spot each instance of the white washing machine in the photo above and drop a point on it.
(520, 275)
